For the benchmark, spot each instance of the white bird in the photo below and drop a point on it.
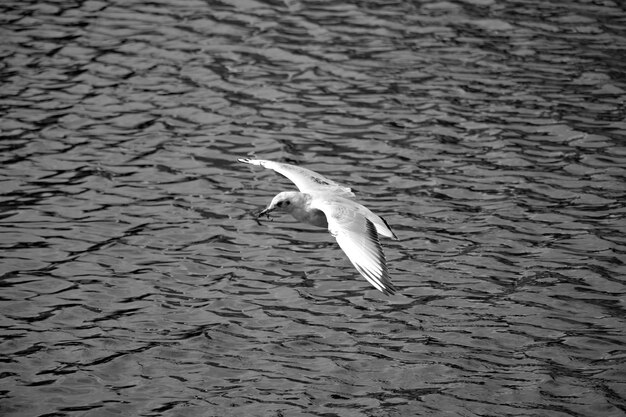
(324, 203)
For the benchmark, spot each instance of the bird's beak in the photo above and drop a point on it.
(265, 212)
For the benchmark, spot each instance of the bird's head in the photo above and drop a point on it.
(285, 201)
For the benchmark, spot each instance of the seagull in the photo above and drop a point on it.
(324, 203)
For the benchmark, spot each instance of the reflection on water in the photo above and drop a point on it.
(137, 282)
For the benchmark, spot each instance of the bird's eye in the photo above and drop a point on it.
(279, 204)
(287, 202)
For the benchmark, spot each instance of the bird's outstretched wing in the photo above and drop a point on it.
(306, 180)
(358, 238)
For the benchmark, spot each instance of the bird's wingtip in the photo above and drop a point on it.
(391, 290)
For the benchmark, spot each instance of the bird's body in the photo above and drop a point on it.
(300, 208)
(324, 203)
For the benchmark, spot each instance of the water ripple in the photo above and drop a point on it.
(137, 281)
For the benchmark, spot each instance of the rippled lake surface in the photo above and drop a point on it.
(136, 281)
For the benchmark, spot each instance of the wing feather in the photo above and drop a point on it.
(358, 238)
(306, 180)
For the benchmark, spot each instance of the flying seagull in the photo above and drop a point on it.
(324, 203)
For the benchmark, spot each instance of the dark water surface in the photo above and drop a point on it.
(135, 281)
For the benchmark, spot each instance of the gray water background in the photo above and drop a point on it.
(136, 281)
